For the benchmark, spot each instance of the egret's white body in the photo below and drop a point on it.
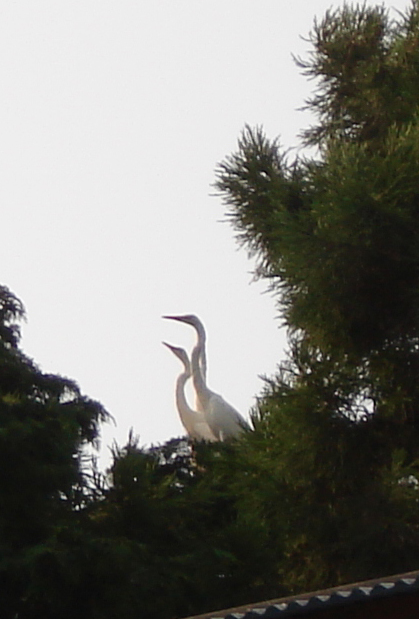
(193, 421)
(224, 421)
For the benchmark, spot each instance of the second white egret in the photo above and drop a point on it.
(193, 421)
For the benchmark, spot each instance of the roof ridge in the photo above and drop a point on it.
(332, 596)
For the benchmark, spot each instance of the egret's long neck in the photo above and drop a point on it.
(203, 363)
(181, 403)
(201, 342)
(201, 388)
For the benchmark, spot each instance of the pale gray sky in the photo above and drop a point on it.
(113, 116)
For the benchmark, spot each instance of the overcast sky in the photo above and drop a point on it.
(113, 116)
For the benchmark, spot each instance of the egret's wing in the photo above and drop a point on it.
(203, 432)
(223, 419)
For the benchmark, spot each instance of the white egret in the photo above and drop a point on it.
(224, 421)
(193, 421)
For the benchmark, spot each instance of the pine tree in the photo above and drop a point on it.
(45, 422)
(337, 237)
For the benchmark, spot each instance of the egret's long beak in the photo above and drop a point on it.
(179, 318)
(172, 348)
(185, 319)
(180, 354)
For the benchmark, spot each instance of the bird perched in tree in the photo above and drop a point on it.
(223, 420)
(194, 422)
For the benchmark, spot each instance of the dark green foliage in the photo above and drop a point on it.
(165, 540)
(337, 237)
(367, 70)
(180, 511)
(164, 536)
(44, 424)
(11, 310)
(332, 480)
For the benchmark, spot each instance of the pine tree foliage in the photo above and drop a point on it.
(44, 423)
(366, 66)
(337, 237)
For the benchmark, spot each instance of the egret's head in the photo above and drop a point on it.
(190, 319)
(180, 354)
